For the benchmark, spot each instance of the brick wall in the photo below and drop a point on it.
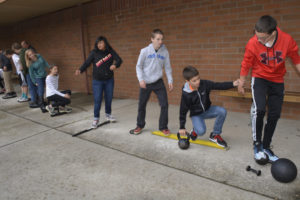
(5, 38)
(208, 34)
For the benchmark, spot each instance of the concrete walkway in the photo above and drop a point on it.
(41, 160)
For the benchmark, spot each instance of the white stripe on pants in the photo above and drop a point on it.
(253, 111)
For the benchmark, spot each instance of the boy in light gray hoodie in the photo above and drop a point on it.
(149, 69)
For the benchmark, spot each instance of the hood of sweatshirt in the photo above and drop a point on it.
(161, 49)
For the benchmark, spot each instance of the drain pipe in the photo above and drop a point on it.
(83, 45)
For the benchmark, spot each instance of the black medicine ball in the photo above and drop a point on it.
(284, 170)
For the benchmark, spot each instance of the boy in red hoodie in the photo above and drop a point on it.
(265, 53)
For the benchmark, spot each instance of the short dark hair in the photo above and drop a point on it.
(16, 46)
(156, 31)
(266, 24)
(189, 72)
(9, 52)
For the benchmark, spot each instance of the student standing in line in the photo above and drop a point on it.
(19, 69)
(266, 53)
(7, 73)
(105, 61)
(151, 62)
(37, 70)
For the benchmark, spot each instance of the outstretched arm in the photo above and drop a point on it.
(85, 65)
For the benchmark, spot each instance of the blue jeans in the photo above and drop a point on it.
(106, 86)
(213, 112)
(41, 86)
(32, 89)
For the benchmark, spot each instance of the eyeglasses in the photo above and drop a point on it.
(264, 39)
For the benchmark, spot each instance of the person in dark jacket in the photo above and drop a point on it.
(105, 60)
(2, 91)
(26, 45)
(7, 73)
(195, 98)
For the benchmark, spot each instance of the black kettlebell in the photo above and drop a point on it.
(183, 143)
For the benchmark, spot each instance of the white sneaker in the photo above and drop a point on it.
(271, 155)
(259, 156)
(95, 123)
(22, 99)
(110, 118)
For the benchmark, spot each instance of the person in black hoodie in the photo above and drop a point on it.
(195, 98)
(105, 60)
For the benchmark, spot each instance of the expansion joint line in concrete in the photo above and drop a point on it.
(175, 168)
(127, 153)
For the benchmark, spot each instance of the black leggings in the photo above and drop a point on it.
(59, 100)
(1, 83)
(270, 94)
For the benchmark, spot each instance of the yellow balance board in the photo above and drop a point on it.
(201, 142)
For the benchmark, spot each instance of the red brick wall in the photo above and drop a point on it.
(210, 35)
(5, 38)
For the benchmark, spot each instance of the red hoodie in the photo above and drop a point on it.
(269, 62)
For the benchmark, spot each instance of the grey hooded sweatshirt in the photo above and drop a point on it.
(150, 64)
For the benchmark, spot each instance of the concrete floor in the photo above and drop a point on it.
(39, 159)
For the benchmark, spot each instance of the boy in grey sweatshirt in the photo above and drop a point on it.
(149, 69)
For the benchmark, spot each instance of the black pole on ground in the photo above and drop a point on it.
(89, 129)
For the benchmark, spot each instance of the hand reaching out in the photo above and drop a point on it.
(77, 72)
(236, 82)
(241, 86)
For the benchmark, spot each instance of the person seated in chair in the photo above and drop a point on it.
(60, 98)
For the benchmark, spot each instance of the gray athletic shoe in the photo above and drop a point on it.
(95, 123)
(51, 110)
(110, 118)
